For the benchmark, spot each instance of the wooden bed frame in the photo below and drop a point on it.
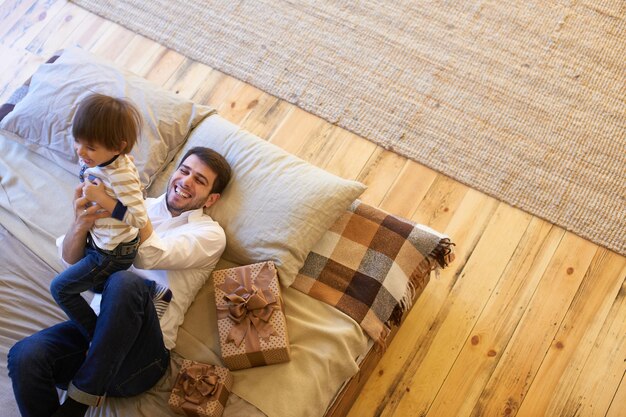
(352, 388)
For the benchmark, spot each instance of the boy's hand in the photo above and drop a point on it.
(93, 190)
(86, 213)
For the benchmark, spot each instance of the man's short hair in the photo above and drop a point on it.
(216, 162)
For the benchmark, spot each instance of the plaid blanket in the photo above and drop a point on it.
(372, 265)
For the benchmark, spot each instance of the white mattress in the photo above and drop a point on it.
(35, 208)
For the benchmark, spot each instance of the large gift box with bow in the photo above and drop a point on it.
(250, 316)
(200, 389)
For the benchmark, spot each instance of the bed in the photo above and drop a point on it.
(277, 207)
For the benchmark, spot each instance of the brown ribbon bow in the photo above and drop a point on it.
(250, 306)
(199, 383)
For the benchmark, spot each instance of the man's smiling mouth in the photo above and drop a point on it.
(181, 193)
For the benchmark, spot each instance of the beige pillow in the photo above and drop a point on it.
(42, 120)
(276, 206)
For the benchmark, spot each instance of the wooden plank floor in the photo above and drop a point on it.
(530, 320)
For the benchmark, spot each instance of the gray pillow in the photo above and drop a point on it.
(276, 206)
(42, 119)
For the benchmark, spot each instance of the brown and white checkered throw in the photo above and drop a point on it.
(372, 265)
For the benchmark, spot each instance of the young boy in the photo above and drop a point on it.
(105, 129)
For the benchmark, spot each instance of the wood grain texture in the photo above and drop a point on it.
(529, 320)
(522, 100)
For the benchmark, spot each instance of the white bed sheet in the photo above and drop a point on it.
(18, 290)
(35, 207)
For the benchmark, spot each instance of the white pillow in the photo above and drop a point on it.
(276, 206)
(42, 120)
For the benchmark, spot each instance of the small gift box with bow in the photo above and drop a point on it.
(250, 316)
(200, 389)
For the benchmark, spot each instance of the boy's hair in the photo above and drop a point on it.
(216, 162)
(107, 121)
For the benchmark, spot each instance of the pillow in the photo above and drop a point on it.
(276, 205)
(42, 119)
(20, 93)
(372, 265)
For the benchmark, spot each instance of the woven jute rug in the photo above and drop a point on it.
(524, 100)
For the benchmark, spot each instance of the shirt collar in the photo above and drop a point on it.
(110, 161)
(163, 212)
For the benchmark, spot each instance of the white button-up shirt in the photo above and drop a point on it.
(181, 253)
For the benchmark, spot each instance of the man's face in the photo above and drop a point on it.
(190, 187)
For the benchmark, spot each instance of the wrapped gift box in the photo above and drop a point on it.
(250, 316)
(201, 389)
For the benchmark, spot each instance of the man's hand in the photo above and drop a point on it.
(146, 231)
(85, 215)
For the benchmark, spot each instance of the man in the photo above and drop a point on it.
(129, 351)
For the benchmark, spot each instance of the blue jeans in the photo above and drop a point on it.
(88, 273)
(127, 355)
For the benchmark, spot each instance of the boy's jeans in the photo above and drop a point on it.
(89, 273)
(127, 355)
